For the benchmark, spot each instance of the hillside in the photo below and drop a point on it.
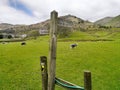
(103, 21)
(115, 22)
(109, 21)
(5, 26)
(69, 21)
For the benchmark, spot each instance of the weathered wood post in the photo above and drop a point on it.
(52, 55)
(43, 63)
(87, 80)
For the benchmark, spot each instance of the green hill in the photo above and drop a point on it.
(115, 22)
(109, 21)
(103, 21)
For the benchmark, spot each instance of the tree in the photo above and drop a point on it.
(33, 33)
(9, 36)
(1, 36)
(64, 32)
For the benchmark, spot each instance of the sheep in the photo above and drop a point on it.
(73, 45)
(23, 43)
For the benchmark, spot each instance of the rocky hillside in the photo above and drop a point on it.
(109, 21)
(4, 26)
(69, 21)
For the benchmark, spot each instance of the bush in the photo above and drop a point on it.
(64, 32)
(33, 33)
(10, 36)
(1, 36)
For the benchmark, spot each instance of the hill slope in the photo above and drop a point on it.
(68, 21)
(115, 22)
(103, 21)
(109, 21)
(5, 26)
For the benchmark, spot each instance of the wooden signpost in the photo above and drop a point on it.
(52, 54)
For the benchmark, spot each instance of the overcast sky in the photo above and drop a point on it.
(33, 11)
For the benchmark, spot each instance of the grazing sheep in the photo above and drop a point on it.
(23, 43)
(73, 45)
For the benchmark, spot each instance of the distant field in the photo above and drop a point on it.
(94, 35)
(20, 68)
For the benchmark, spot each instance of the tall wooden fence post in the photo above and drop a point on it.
(87, 80)
(43, 63)
(52, 55)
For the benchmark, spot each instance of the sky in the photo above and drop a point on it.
(34, 11)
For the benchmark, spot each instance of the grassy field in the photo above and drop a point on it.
(20, 66)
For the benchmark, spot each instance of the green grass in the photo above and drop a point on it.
(108, 34)
(78, 36)
(20, 68)
(98, 57)
(94, 35)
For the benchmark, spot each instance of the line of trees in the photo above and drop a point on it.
(5, 36)
(1, 36)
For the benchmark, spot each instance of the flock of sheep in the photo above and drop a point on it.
(71, 45)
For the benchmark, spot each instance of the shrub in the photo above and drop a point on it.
(1, 36)
(33, 33)
(64, 32)
(10, 36)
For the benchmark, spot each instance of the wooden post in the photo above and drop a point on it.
(52, 55)
(43, 63)
(87, 80)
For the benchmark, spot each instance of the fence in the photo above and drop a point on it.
(48, 76)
